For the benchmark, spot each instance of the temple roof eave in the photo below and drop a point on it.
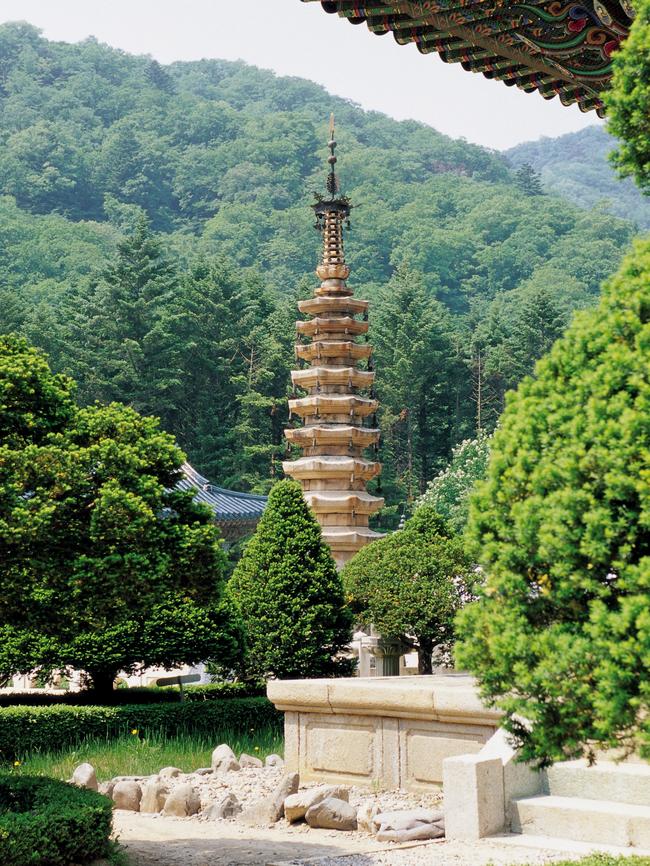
(551, 48)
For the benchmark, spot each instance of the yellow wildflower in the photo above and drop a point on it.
(135, 732)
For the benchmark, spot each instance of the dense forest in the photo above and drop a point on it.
(155, 234)
(577, 167)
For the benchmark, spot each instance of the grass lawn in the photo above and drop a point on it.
(606, 860)
(134, 756)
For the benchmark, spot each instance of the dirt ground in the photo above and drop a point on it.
(151, 840)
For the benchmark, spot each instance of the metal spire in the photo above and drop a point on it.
(332, 179)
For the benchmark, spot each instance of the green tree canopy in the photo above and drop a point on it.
(33, 401)
(560, 638)
(628, 100)
(448, 493)
(104, 566)
(410, 584)
(289, 593)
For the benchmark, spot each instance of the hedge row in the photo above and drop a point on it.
(44, 822)
(27, 729)
(144, 695)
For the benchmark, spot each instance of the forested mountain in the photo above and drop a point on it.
(155, 234)
(576, 166)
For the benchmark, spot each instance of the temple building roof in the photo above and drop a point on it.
(236, 513)
(550, 47)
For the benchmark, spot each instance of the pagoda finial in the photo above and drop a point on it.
(332, 179)
(332, 214)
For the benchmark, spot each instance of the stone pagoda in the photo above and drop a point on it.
(333, 471)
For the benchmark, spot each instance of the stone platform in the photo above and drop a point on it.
(381, 732)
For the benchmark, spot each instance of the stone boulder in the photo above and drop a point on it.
(84, 776)
(271, 809)
(409, 825)
(127, 795)
(170, 773)
(203, 771)
(406, 819)
(249, 761)
(224, 760)
(154, 796)
(274, 761)
(365, 815)
(106, 788)
(227, 807)
(416, 834)
(296, 805)
(182, 802)
(332, 814)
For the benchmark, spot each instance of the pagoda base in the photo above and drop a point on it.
(384, 733)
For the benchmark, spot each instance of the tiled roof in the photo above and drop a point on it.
(561, 49)
(227, 505)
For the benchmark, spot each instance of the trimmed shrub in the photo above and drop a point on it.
(136, 695)
(289, 594)
(27, 729)
(45, 822)
(560, 638)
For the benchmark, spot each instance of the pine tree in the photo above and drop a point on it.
(289, 594)
(414, 359)
(560, 638)
(126, 352)
(529, 180)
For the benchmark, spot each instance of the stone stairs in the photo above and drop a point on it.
(607, 804)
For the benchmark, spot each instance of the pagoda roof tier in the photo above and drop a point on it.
(349, 538)
(343, 501)
(313, 377)
(344, 325)
(333, 404)
(555, 49)
(333, 434)
(333, 304)
(332, 467)
(346, 350)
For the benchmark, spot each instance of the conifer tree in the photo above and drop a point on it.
(529, 180)
(628, 100)
(126, 353)
(560, 638)
(290, 595)
(413, 351)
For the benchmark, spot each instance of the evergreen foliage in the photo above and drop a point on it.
(46, 822)
(577, 167)
(155, 235)
(560, 638)
(410, 584)
(104, 566)
(628, 100)
(289, 594)
(528, 180)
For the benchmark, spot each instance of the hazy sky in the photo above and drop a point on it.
(295, 38)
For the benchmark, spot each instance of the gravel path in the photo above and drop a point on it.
(482, 853)
(151, 840)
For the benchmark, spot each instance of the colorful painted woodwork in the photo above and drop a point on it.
(333, 471)
(553, 48)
